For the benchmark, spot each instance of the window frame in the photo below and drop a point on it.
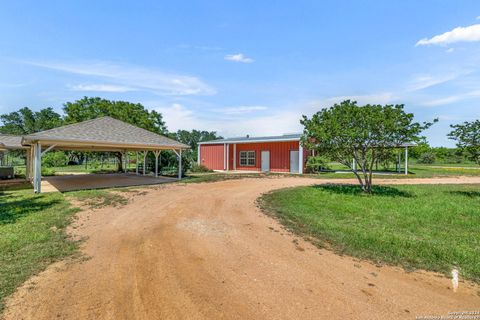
(250, 158)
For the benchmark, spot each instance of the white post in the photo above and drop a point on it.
(136, 163)
(35, 168)
(156, 153)
(31, 168)
(144, 160)
(37, 179)
(406, 160)
(354, 164)
(125, 161)
(27, 164)
(180, 164)
(235, 156)
(300, 158)
(199, 160)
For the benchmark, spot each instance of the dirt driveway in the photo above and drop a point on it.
(204, 251)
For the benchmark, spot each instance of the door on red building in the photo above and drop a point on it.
(265, 161)
(294, 161)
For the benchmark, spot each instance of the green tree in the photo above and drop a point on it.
(421, 148)
(467, 136)
(133, 113)
(54, 159)
(192, 138)
(347, 132)
(26, 121)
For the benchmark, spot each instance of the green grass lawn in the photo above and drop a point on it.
(416, 170)
(32, 235)
(432, 227)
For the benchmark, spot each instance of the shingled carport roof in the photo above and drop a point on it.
(8, 141)
(105, 134)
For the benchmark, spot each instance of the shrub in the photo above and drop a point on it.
(55, 159)
(199, 168)
(427, 158)
(47, 171)
(317, 164)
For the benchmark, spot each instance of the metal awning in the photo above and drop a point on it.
(100, 134)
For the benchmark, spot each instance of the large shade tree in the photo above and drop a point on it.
(467, 136)
(347, 132)
(25, 121)
(134, 113)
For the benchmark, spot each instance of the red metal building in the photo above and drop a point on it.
(275, 154)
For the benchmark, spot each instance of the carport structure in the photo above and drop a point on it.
(103, 134)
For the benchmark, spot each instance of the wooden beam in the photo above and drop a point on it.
(144, 160)
(157, 154)
(180, 164)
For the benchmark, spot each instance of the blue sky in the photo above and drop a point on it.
(245, 67)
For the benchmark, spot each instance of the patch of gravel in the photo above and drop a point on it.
(204, 227)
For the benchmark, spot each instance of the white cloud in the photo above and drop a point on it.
(442, 101)
(420, 82)
(100, 88)
(140, 78)
(239, 57)
(240, 110)
(275, 123)
(451, 99)
(375, 98)
(478, 18)
(459, 34)
(178, 116)
(449, 50)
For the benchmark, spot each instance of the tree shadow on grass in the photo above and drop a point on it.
(383, 191)
(470, 194)
(13, 210)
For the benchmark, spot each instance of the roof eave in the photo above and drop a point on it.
(29, 140)
(248, 141)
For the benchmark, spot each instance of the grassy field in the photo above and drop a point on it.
(32, 231)
(32, 235)
(432, 227)
(416, 170)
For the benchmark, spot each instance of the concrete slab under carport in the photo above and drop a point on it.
(98, 181)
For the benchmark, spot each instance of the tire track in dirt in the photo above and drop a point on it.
(204, 251)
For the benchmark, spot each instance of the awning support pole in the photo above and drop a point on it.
(136, 163)
(48, 149)
(27, 164)
(406, 160)
(199, 161)
(37, 176)
(126, 161)
(300, 158)
(179, 164)
(144, 160)
(157, 154)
